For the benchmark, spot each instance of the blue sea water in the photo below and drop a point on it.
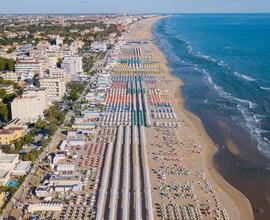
(224, 61)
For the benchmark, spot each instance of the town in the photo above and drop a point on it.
(52, 83)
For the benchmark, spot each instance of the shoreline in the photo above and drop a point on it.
(194, 123)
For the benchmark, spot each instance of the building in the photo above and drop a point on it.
(75, 139)
(72, 65)
(52, 62)
(4, 177)
(59, 73)
(45, 207)
(59, 40)
(12, 132)
(60, 155)
(11, 165)
(29, 65)
(22, 168)
(43, 191)
(9, 75)
(30, 106)
(65, 167)
(67, 180)
(8, 161)
(8, 88)
(55, 88)
(98, 46)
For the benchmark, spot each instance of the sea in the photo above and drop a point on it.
(224, 62)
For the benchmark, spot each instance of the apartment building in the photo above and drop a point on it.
(59, 73)
(72, 64)
(29, 65)
(55, 88)
(30, 106)
(13, 131)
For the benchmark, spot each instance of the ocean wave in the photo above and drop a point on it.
(252, 121)
(243, 76)
(265, 88)
(227, 48)
(248, 78)
(222, 63)
(248, 103)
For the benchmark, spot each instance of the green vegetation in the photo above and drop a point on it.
(88, 63)
(3, 112)
(7, 98)
(41, 124)
(52, 129)
(31, 156)
(75, 89)
(7, 64)
(54, 115)
(59, 62)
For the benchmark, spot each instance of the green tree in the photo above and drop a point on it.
(7, 64)
(41, 124)
(28, 138)
(52, 129)
(59, 62)
(3, 112)
(3, 93)
(73, 95)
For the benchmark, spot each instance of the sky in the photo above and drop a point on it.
(134, 6)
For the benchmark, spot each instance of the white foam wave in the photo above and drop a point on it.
(265, 88)
(248, 78)
(221, 63)
(253, 122)
(243, 76)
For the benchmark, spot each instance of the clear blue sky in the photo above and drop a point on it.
(133, 6)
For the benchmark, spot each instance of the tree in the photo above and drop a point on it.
(28, 138)
(3, 93)
(73, 95)
(31, 156)
(52, 129)
(59, 62)
(41, 124)
(3, 112)
(7, 64)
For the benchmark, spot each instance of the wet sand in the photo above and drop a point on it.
(192, 131)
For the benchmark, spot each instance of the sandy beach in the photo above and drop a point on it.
(190, 132)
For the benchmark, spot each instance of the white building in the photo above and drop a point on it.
(11, 165)
(67, 180)
(73, 65)
(55, 88)
(43, 191)
(22, 168)
(65, 167)
(98, 46)
(8, 161)
(29, 65)
(30, 106)
(45, 207)
(59, 40)
(12, 76)
(52, 61)
(59, 73)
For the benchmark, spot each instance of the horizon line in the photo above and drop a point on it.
(127, 13)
